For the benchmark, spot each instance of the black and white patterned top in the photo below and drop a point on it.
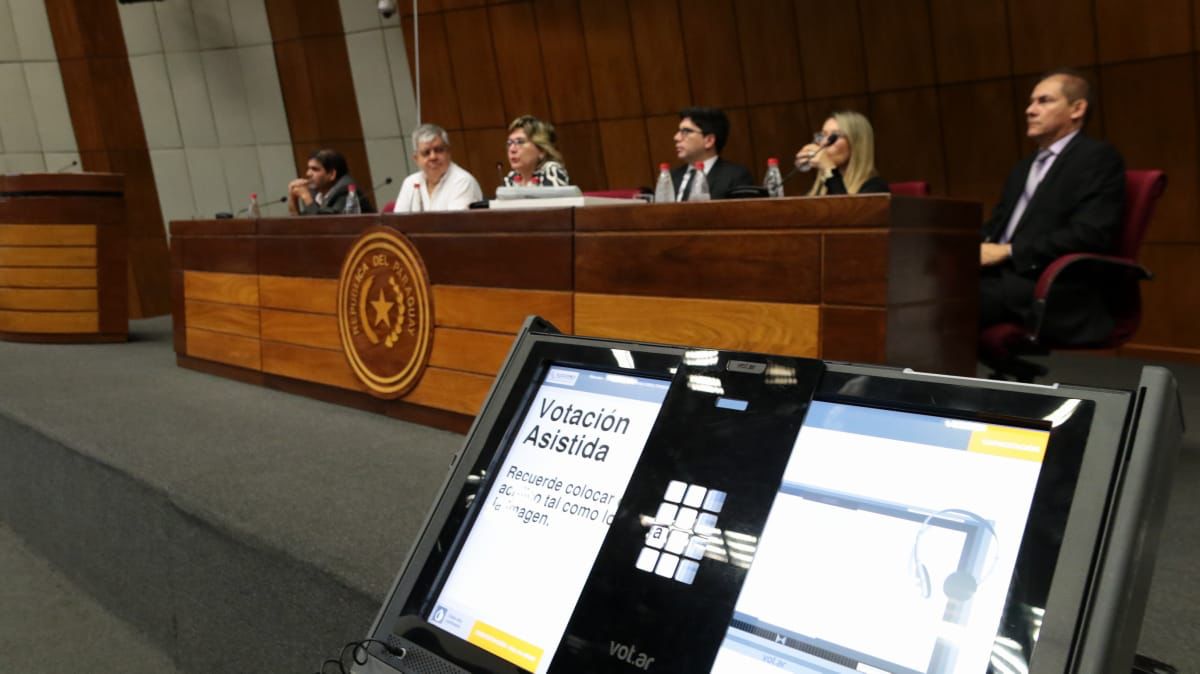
(550, 173)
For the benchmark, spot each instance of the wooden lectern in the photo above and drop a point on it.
(870, 278)
(63, 275)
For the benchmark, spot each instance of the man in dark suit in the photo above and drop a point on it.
(1066, 198)
(701, 137)
(325, 186)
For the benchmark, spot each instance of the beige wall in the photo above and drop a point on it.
(35, 124)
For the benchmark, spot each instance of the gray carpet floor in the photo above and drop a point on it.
(50, 625)
(304, 479)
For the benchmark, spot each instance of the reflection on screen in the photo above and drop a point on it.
(889, 548)
(522, 567)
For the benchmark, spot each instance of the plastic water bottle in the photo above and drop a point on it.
(253, 211)
(417, 204)
(352, 205)
(774, 180)
(664, 190)
(699, 191)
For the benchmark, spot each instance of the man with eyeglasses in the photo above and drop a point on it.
(440, 185)
(700, 138)
(1068, 197)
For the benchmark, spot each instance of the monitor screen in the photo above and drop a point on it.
(889, 547)
(514, 583)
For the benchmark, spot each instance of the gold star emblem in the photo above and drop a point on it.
(382, 310)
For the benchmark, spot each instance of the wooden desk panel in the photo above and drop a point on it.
(63, 274)
(866, 278)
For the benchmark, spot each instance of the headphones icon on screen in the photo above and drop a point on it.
(960, 585)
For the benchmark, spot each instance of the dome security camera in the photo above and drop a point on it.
(387, 8)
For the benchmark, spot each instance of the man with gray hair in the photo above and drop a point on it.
(440, 185)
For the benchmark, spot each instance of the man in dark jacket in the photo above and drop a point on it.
(325, 186)
(1066, 198)
(700, 138)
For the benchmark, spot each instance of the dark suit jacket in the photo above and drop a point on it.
(1077, 208)
(723, 177)
(335, 199)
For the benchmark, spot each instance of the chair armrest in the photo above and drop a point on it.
(1056, 268)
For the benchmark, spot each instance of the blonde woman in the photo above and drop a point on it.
(532, 156)
(847, 164)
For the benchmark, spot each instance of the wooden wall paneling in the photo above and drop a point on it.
(780, 131)
(311, 295)
(831, 48)
(820, 109)
(535, 261)
(221, 287)
(463, 4)
(763, 327)
(908, 137)
(660, 138)
(292, 64)
(227, 318)
(178, 315)
(439, 92)
(48, 322)
(519, 68)
(224, 348)
(469, 34)
(1171, 301)
(970, 39)
(319, 331)
(49, 299)
(611, 58)
(231, 255)
(740, 146)
(500, 309)
(854, 334)
(332, 87)
(34, 235)
(1168, 143)
(977, 127)
(580, 144)
(715, 216)
(113, 271)
(307, 363)
(295, 256)
(770, 51)
(899, 50)
(855, 268)
(627, 161)
(85, 112)
(112, 80)
(461, 392)
(713, 53)
(47, 256)
(484, 149)
(283, 18)
(469, 350)
(564, 60)
(37, 277)
(658, 45)
(774, 266)
(1126, 30)
(1046, 35)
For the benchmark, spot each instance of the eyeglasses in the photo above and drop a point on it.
(516, 142)
(685, 132)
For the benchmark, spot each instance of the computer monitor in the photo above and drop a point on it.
(761, 513)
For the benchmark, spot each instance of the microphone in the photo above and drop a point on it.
(499, 173)
(805, 164)
(261, 204)
(386, 181)
(73, 162)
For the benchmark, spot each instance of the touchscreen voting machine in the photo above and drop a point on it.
(625, 507)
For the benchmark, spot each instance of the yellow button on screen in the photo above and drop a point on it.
(497, 642)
